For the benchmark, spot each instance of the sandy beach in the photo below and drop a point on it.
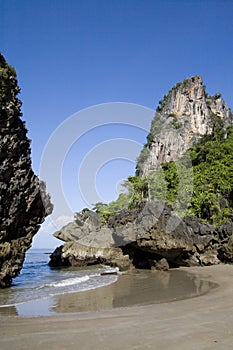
(203, 322)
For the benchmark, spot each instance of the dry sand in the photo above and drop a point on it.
(204, 322)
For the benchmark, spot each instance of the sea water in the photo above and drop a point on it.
(38, 282)
(42, 290)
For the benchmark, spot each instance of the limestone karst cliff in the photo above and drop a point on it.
(184, 115)
(24, 203)
(148, 233)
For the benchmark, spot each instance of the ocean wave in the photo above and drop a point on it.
(69, 281)
(43, 284)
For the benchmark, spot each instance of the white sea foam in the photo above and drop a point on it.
(37, 281)
(69, 281)
(109, 269)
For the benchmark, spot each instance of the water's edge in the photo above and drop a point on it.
(42, 291)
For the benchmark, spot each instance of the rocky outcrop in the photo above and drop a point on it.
(86, 230)
(147, 237)
(151, 236)
(184, 115)
(23, 200)
(78, 255)
(226, 235)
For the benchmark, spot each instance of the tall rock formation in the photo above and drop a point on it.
(24, 203)
(184, 115)
(150, 234)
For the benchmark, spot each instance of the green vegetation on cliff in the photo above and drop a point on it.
(204, 189)
(8, 88)
(107, 210)
(212, 159)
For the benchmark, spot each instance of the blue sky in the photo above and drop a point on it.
(71, 54)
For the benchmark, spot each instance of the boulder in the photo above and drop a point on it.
(161, 265)
(225, 249)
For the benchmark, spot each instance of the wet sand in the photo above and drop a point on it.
(203, 322)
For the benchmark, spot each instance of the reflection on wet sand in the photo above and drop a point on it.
(8, 311)
(137, 288)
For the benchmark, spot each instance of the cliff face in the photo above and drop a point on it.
(22, 208)
(150, 235)
(184, 115)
